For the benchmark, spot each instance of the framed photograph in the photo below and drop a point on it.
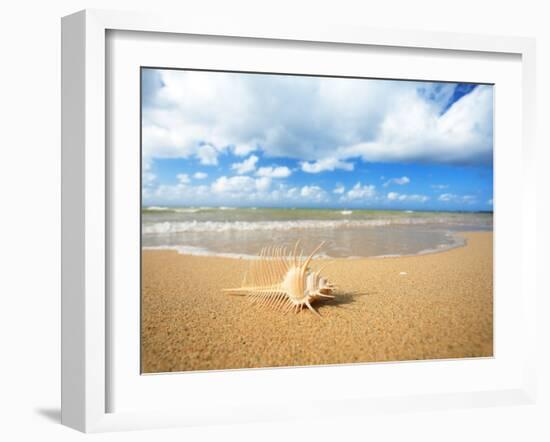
(261, 223)
(278, 190)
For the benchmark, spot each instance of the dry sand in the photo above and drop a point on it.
(441, 308)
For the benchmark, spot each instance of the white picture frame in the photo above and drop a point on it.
(86, 216)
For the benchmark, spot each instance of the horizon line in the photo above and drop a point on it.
(170, 206)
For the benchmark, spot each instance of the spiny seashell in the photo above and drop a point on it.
(284, 281)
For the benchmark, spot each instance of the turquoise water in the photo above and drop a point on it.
(348, 233)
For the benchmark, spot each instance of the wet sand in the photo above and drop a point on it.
(433, 306)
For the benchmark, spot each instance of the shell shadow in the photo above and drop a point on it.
(342, 299)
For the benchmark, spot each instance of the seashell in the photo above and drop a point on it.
(284, 281)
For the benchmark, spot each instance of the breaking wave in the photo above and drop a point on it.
(168, 227)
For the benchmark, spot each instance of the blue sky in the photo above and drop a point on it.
(232, 139)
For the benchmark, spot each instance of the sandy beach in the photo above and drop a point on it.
(432, 306)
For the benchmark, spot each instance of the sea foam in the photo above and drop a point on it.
(281, 226)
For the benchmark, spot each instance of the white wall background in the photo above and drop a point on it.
(30, 220)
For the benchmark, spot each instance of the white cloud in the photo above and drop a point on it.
(399, 181)
(274, 172)
(293, 192)
(447, 197)
(325, 164)
(420, 198)
(179, 192)
(310, 119)
(249, 165)
(200, 175)
(241, 185)
(263, 184)
(360, 192)
(314, 193)
(236, 189)
(246, 166)
(148, 178)
(439, 186)
(451, 197)
(183, 178)
(339, 189)
(235, 184)
(243, 150)
(395, 196)
(207, 155)
(416, 130)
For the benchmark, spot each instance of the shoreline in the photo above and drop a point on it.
(435, 305)
(180, 250)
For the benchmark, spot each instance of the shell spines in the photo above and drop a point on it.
(283, 281)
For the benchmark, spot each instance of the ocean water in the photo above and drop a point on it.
(242, 232)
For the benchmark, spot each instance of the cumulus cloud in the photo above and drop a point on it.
(325, 123)
(207, 155)
(263, 184)
(313, 193)
(246, 166)
(165, 192)
(416, 131)
(325, 164)
(339, 189)
(395, 196)
(243, 150)
(148, 178)
(360, 192)
(238, 189)
(399, 181)
(274, 172)
(231, 123)
(235, 184)
(451, 197)
(183, 178)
